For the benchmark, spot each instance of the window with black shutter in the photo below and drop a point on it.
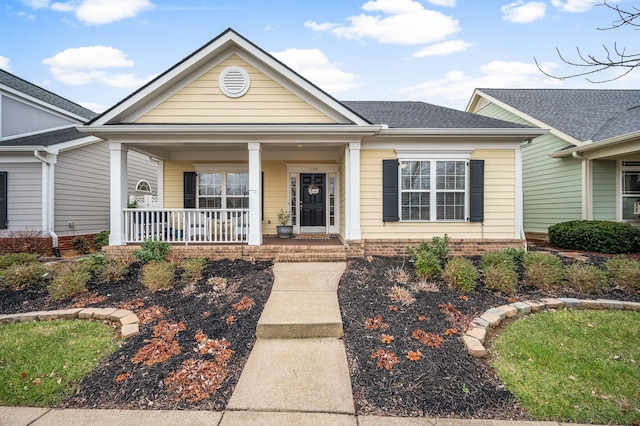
(390, 191)
(189, 190)
(476, 191)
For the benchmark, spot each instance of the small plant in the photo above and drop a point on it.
(158, 276)
(427, 265)
(192, 269)
(498, 258)
(586, 278)
(401, 295)
(517, 255)
(70, 279)
(25, 241)
(595, 235)
(398, 275)
(439, 246)
(460, 274)
(81, 245)
(113, 270)
(283, 217)
(152, 251)
(95, 263)
(624, 272)
(500, 277)
(218, 284)
(21, 275)
(6, 260)
(132, 204)
(542, 270)
(101, 239)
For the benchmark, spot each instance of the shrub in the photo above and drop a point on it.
(595, 235)
(94, 263)
(517, 255)
(542, 270)
(498, 258)
(624, 272)
(70, 279)
(101, 239)
(439, 246)
(460, 274)
(401, 295)
(6, 260)
(500, 277)
(113, 270)
(427, 265)
(25, 241)
(20, 275)
(81, 245)
(158, 275)
(152, 251)
(192, 269)
(586, 278)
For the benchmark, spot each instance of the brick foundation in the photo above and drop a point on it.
(319, 253)
(66, 243)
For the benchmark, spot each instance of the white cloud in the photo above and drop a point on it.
(455, 87)
(445, 3)
(522, 13)
(4, 63)
(313, 65)
(95, 12)
(407, 22)
(443, 49)
(93, 106)
(90, 64)
(574, 5)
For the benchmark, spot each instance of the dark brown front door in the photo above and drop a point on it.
(313, 199)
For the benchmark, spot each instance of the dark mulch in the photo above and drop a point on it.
(445, 381)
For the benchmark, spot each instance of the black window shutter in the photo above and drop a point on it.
(3, 201)
(476, 191)
(390, 191)
(189, 190)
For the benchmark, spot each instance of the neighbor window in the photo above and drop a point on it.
(143, 186)
(433, 190)
(228, 190)
(630, 190)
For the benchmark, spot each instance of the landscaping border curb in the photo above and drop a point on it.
(127, 320)
(474, 337)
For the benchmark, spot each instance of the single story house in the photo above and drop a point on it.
(587, 166)
(54, 180)
(241, 137)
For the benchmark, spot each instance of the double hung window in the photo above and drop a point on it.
(223, 190)
(630, 190)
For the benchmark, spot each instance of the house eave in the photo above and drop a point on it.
(522, 133)
(606, 143)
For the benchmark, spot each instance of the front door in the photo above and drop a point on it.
(313, 199)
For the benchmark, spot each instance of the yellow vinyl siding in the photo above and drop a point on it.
(202, 102)
(499, 201)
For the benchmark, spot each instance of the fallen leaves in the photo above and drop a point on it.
(122, 377)
(386, 339)
(450, 331)
(149, 315)
(429, 339)
(386, 359)
(89, 300)
(414, 355)
(375, 323)
(156, 351)
(457, 319)
(244, 304)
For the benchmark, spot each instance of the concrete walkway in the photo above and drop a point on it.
(296, 374)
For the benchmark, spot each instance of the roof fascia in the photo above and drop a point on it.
(526, 133)
(40, 104)
(593, 146)
(567, 138)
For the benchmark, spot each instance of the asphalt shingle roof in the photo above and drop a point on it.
(46, 138)
(416, 115)
(585, 114)
(37, 92)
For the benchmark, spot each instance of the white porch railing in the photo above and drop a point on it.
(186, 225)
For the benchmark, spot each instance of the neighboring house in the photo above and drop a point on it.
(54, 179)
(587, 166)
(242, 136)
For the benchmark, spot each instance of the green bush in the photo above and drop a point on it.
(595, 235)
(517, 255)
(501, 277)
(542, 270)
(192, 269)
(94, 263)
(70, 279)
(81, 245)
(9, 259)
(460, 274)
(152, 251)
(158, 275)
(21, 275)
(498, 258)
(427, 265)
(586, 278)
(113, 270)
(624, 272)
(101, 239)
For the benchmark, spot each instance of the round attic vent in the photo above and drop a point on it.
(234, 82)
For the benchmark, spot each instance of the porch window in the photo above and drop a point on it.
(229, 190)
(630, 190)
(433, 190)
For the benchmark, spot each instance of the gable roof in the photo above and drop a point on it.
(584, 114)
(415, 115)
(45, 139)
(19, 85)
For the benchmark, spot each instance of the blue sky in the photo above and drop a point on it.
(96, 52)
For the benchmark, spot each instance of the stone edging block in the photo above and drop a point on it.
(122, 317)
(474, 338)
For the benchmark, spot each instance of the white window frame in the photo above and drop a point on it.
(141, 183)
(433, 159)
(223, 170)
(626, 166)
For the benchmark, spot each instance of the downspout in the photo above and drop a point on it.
(48, 201)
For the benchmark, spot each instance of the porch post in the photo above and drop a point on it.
(255, 194)
(118, 199)
(352, 196)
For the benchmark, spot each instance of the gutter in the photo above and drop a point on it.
(48, 179)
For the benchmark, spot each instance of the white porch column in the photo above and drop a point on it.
(255, 194)
(519, 196)
(118, 200)
(352, 188)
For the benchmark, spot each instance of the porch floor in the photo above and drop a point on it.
(302, 240)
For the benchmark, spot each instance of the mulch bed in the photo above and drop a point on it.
(196, 327)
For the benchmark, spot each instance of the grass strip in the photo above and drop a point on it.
(42, 362)
(577, 366)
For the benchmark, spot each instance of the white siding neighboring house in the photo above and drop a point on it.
(54, 179)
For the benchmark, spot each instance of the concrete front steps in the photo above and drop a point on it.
(298, 363)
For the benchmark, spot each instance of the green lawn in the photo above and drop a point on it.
(41, 362)
(578, 366)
